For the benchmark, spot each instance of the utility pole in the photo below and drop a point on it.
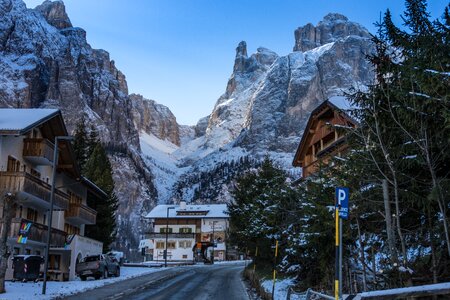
(50, 211)
(167, 235)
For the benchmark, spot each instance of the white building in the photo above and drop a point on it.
(191, 229)
(26, 166)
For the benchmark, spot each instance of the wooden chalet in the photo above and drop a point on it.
(322, 138)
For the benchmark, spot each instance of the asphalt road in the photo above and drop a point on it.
(218, 282)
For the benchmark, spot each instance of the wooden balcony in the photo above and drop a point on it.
(38, 233)
(158, 235)
(38, 151)
(79, 214)
(32, 191)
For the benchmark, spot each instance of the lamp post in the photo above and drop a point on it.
(213, 241)
(167, 234)
(50, 212)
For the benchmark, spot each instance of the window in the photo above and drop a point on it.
(38, 252)
(13, 165)
(185, 230)
(16, 251)
(171, 245)
(185, 244)
(163, 230)
(27, 251)
(160, 245)
(184, 256)
(32, 214)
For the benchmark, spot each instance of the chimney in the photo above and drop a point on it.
(182, 205)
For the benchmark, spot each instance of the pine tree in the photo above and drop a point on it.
(96, 167)
(80, 143)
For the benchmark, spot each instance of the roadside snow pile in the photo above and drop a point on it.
(281, 287)
(31, 290)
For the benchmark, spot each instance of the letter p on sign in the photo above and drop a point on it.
(342, 195)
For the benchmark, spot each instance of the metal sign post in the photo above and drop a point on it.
(274, 269)
(341, 212)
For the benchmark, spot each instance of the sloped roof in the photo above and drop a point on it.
(20, 120)
(339, 103)
(191, 211)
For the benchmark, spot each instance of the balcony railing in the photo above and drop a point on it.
(80, 214)
(29, 188)
(159, 235)
(39, 151)
(38, 233)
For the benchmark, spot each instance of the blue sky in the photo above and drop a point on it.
(180, 53)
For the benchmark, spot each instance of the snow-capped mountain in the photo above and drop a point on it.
(45, 62)
(268, 100)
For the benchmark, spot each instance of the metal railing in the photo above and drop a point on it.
(306, 295)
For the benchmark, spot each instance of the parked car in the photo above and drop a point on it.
(118, 256)
(97, 266)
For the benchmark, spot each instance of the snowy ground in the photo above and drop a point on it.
(31, 290)
(281, 287)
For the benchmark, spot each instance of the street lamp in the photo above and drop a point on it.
(167, 234)
(50, 212)
(213, 241)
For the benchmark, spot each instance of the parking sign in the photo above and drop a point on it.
(342, 195)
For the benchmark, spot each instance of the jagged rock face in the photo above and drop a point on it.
(154, 118)
(299, 82)
(200, 127)
(269, 98)
(55, 14)
(333, 27)
(45, 62)
(231, 110)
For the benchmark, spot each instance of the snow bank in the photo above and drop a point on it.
(281, 287)
(31, 290)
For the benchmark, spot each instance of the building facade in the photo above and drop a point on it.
(324, 136)
(26, 165)
(189, 229)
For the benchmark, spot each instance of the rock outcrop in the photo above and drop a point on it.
(333, 27)
(154, 118)
(55, 14)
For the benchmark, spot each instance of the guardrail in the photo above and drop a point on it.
(439, 289)
(306, 295)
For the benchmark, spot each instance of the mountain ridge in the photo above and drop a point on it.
(263, 110)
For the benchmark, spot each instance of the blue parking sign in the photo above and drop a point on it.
(342, 195)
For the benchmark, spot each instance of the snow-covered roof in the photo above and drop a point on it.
(342, 102)
(191, 211)
(21, 119)
(146, 243)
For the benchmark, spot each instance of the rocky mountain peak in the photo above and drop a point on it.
(55, 14)
(241, 57)
(333, 17)
(333, 27)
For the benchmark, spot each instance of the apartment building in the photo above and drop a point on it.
(26, 164)
(322, 138)
(188, 227)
